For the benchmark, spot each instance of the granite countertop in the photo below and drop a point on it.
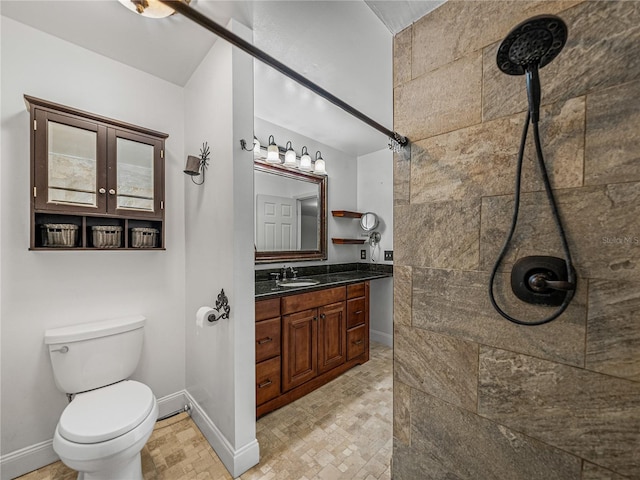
(268, 288)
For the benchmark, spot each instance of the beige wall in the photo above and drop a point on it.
(476, 397)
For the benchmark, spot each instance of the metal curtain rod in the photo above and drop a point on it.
(202, 20)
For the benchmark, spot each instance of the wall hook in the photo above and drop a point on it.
(222, 303)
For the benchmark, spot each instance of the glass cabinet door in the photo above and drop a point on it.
(134, 174)
(71, 175)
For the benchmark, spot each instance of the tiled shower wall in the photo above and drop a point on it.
(476, 397)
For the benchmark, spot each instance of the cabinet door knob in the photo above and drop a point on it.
(112, 191)
(315, 318)
(323, 316)
(102, 190)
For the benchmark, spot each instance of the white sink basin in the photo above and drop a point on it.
(299, 282)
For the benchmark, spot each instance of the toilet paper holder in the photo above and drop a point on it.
(222, 303)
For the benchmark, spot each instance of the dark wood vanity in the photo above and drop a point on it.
(307, 339)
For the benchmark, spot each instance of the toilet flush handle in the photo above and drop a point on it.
(64, 349)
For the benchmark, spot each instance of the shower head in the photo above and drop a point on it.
(533, 43)
(529, 47)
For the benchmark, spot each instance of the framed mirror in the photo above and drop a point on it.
(290, 214)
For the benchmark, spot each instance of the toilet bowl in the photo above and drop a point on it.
(101, 433)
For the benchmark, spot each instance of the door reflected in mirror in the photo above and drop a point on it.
(290, 214)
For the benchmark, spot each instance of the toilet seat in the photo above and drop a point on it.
(106, 413)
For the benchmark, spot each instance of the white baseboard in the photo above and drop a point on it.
(31, 458)
(27, 459)
(381, 337)
(236, 461)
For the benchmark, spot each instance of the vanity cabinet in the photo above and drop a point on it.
(314, 335)
(314, 346)
(358, 321)
(92, 177)
(268, 343)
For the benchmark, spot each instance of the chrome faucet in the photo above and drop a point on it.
(283, 272)
(293, 272)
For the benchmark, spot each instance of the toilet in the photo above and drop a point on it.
(103, 429)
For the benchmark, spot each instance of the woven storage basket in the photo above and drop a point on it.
(142, 237)
(107, 236)
(59, 234)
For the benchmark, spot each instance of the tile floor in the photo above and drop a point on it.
(341, 431)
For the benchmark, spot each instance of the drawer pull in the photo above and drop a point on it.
(358, 312)
(266, 383)
(359, 342)
(265, 340)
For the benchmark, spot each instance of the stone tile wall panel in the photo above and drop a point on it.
(593, 416)
(612, 150)
(613, 328)
(481, 160)
(440, 101)
(443, 235)
(442, 366)
(496, 452)
(402, 281)
(456, 303)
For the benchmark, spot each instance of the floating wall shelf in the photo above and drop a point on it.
(345, 213)
(348, 241)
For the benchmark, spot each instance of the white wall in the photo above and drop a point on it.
(341, 194)
(48, 289)
(219, 254)
(375, 194)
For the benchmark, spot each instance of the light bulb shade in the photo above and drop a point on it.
(273, 155)
(305, 160)
(256, 145)
(305, 163)
(320, 167)
(193, 166)
(290, 156)
(150, 8)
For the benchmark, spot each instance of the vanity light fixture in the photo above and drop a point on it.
(319, 167)
(289, 156)
(305, 160)
(197, 165)
(273, 154)
(150, 8)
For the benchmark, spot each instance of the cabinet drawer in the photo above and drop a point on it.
(267, 380)
(356, 342)
(267, 309)
(267, 339)
(355, 290)
(304, 301)
(356, 312)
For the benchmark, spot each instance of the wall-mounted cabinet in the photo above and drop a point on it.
(96, 183)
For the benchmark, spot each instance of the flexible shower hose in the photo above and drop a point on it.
(514, 220)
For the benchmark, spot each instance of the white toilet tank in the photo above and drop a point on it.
(92, 355)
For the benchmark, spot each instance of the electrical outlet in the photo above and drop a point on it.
(363, 254)
(388, 255)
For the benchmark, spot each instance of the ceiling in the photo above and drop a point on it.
(344, 46)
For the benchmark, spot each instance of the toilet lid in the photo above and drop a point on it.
(106, 413)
